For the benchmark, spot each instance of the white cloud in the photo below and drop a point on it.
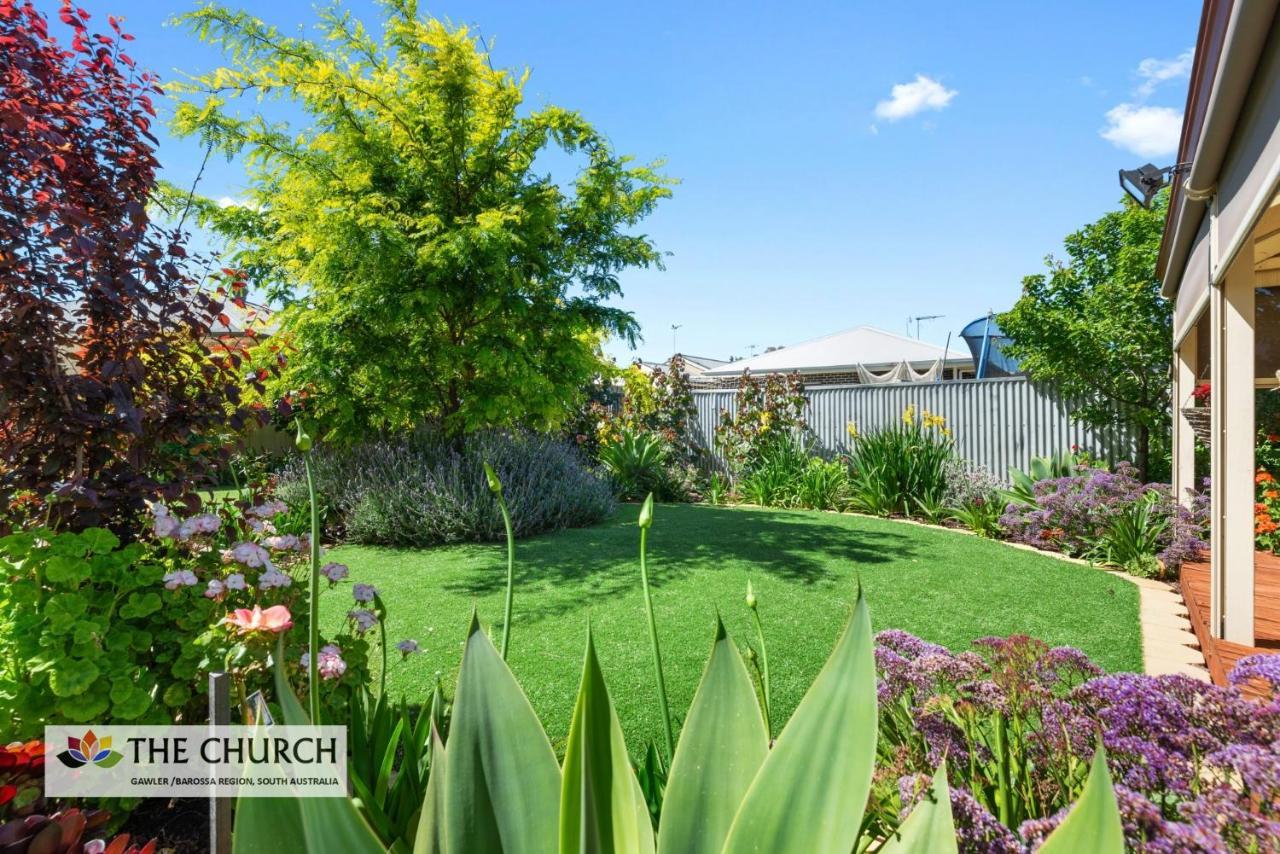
(908, 99)
(1156, 71)
(1144, 130)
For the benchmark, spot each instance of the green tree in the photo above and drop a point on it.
(432, 268)
(1097, 327)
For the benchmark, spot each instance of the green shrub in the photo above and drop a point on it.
(88, 633)
(1059, 465)
(823, 485)
(898, 467)
(978, 514)
(1134, 535)
(637, 464)
(774, 478)
(419, 490)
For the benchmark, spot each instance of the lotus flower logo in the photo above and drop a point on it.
(89, 750)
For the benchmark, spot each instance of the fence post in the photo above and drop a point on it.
(219, 808)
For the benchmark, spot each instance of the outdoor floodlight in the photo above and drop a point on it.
(1143, 183)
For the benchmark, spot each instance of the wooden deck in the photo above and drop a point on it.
(1221, 656)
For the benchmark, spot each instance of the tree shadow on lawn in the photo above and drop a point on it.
(603, 561)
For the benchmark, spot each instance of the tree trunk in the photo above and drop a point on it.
(1144, 452)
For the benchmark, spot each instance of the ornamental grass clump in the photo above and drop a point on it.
(419, 489)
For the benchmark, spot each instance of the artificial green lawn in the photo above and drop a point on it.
(943, 586)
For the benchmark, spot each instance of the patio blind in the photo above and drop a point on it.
(1250, 168)
(1193, 291)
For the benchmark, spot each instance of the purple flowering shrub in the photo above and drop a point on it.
(1196, 767)
(1099, 514)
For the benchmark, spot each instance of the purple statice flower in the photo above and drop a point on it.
(364, 593)
(1265, 666)
(1065, 665)
(906, 644)
(215, 589)
(1256, 766)
(1071, 514)
(408, 647)
(180, 578)
(1141, 819)
(335, 572)
(896, 676)
(363, 619)
(984, 695)
(330, 664)
(1242, 824)
(977, 830)
(235, 581)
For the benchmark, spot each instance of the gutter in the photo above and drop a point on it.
(1247, 33)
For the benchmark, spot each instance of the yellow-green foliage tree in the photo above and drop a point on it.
(431, 269)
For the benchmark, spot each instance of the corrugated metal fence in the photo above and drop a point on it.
(997, 423)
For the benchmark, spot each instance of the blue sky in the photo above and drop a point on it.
(840, 163)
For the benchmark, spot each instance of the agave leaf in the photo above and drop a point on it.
(601, 806)
(261, 823)
(369, 807)
(430, 836)
(812, 790)
(325, 824)
(501, 790)
(388, 762)
(930, 826)
(721, 748)
(1094, 822)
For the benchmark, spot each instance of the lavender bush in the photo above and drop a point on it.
(1197, 767)
(1104, 514)
(417, 490)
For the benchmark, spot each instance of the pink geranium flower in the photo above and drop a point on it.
(275, 619)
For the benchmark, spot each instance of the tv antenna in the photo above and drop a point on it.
(918, 319)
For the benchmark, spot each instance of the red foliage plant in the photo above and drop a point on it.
(109, 392)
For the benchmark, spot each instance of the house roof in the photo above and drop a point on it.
(861, 345)
(693, 364)
(240, 320)
(702, 362)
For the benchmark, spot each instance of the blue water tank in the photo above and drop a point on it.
(986, 345)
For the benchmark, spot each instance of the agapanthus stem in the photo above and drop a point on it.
(511, 575)
(764, 672)
(313, 656)
(646, 519)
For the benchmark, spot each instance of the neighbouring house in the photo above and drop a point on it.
(863, 354)
(695, 366)
(1220, 264)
